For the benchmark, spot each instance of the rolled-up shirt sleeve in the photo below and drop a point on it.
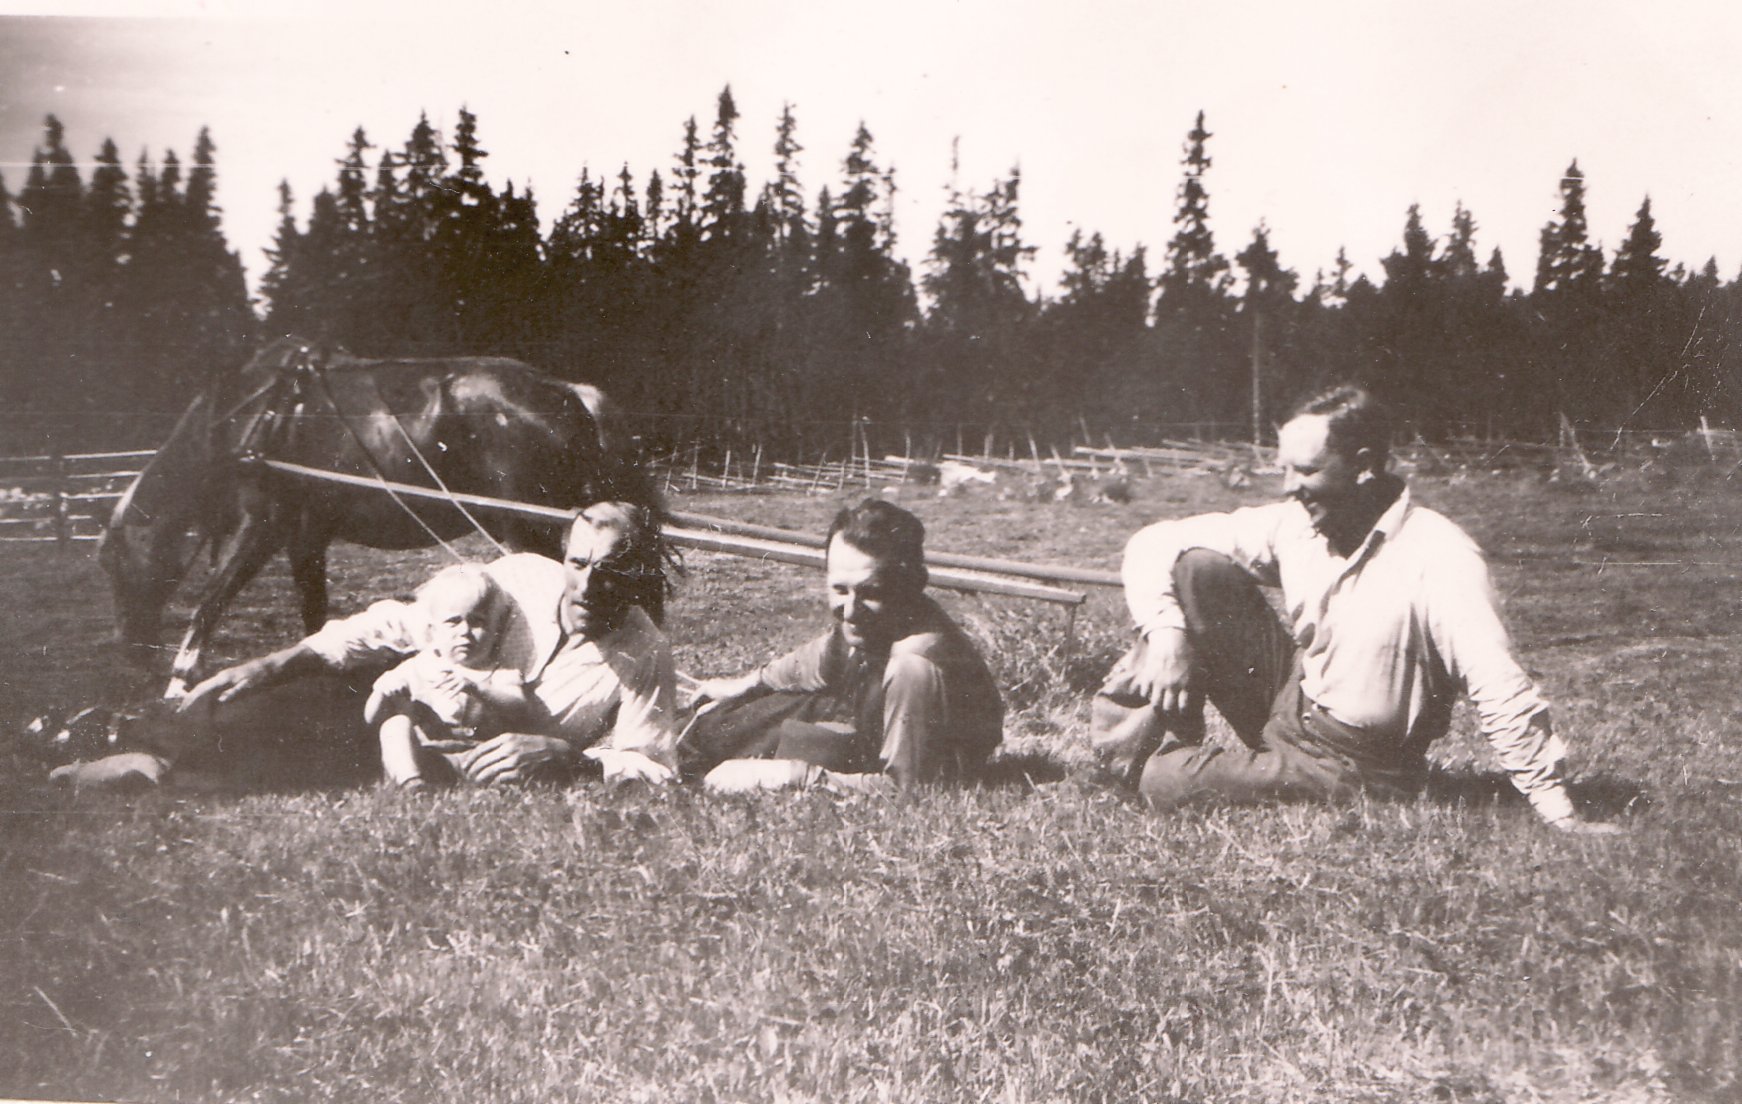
(807, 668)
(1247, 536)
(388, 630)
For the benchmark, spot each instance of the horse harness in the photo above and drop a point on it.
(307, 372)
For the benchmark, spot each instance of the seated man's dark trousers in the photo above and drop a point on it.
(1247, 667)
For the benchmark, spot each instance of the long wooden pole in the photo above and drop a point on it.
(1056, 573)
(739, 545)
(783, 552)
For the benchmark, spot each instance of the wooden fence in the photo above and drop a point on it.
(62, 498)
(66, 498)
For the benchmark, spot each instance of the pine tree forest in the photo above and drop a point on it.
(729, 314)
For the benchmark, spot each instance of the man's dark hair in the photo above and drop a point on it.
(1354, 419)
(646, 555)
(886, 533)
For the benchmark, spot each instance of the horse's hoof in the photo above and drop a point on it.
(177, 691)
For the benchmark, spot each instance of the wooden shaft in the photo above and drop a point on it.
(948, 578)
(1056, 573)
(757, 547)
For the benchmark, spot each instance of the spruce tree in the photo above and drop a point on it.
(784, 190)
(688, 169)
(1266, 307)
(1200, 363)
(656, 214)
(277, 287)
(1090, 335)
(1193, 265)
(54, 286)
(1569, 364)
(979, 308)
(1568, 263)
(108, 205)
(723, 203)
(1649, 331)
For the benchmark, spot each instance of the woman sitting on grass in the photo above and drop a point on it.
(436, 708)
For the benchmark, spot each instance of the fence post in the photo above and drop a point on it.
(58, 466)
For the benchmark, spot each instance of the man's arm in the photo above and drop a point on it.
(1472, 638)
(255, 674)
(1246, 536)
(383, 632)
(642, 743)
(745, 687)
(915, 716)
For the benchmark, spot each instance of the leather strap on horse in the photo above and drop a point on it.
(318, 374)
(412, 445)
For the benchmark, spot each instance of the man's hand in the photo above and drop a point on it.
(255, 674)
(514, 757)
(702, 691)
(739, 776)
(629, 766)
(1578, 826)
(1168, 675)
(458, 680)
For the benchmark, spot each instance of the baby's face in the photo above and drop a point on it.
(457, 626)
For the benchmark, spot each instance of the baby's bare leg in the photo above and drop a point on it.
(399, 758)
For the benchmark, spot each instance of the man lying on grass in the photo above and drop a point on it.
(1391, 612)
(893, 694)
(597, 672)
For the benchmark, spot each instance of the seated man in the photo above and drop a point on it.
(1390, 614)
(893, 693)
(597, 671)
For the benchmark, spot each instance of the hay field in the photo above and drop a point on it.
(1029, 941)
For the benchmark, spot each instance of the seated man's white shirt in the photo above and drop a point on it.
(620, 689)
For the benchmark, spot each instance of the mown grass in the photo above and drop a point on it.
(1014, 943)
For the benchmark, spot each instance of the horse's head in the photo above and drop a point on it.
(148, 546)
(144, 562)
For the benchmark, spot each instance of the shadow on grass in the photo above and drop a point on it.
(1022, 770)
(1601, 797)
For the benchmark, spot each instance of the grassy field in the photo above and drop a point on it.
(1034, 940)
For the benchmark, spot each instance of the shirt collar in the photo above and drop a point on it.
(1383, 529)
(1392, 518)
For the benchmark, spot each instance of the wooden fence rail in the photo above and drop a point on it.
(48, 498)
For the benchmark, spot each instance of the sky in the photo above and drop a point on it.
(1328, 120)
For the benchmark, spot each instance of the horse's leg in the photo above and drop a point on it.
(308, 567)
(246, 550)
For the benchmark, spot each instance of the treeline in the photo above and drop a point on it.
(117, 292)
(731, 315)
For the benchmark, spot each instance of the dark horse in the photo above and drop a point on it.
(482, 425)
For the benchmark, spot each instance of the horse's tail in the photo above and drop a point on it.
(608, 420)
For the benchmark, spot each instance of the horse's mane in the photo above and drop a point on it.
(290, 352)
